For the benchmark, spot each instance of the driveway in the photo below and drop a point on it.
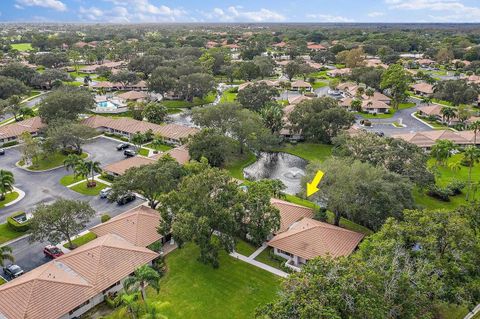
(44, 187)
(404, 116)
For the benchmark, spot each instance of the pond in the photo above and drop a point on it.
(182, 118)
(283, 166)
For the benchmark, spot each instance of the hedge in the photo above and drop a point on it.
(11, 143)
(105, 218)
(15, 226)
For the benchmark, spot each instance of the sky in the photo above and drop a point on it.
(140, 11)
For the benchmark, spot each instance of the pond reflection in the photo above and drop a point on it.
(283, 166)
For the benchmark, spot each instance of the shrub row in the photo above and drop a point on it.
(443, 193)
(15, 226)
(11, 143)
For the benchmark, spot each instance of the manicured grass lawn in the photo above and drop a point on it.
(82, 240)
(89, 191)
(73, 83)
(228, 96)
(9, 197)
(69, 179)
(6, 234)
(236, 166)
(266, 258)
(195, 290)
(161, 147)
(308, 151)
(319, 84)
(446, 311)
(2, 281)
(22, 47)
(143, 152)
(345, 223)
(401, 106)
(52, 161)
(196, 102)
(244, 248)
(33, 93)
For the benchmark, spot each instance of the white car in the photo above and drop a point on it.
(104, 192)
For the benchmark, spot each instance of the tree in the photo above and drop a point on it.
(442, 150)
(72, 161)
(10, 87)
(48, 77)
(30, 148)
(162, 80)
(475, 127)
(256, 96)
(448, 113)
(125, 78)
(203, 210)
(143, 276)
(14, 105)
(145, 64)
(320, 119)
(51, 59)
(6, 254)
(68, 136)
(212, 145)
(248, 71)
(60, 220)
(333, 84)
(260, 218)
(272, 116)
(18, 71)
(363, 193)
(151, 181)
(353, 58)
(395, 155)
(65, 103)
(372, 77)
(356, 105)
(444, 55)
(471, 155)
(155, 112)
(265, 65)
(456, 91)
(195, 85)
(292, 69)
(138, 139)
(396, 80)
(6, 183)
(90, 168)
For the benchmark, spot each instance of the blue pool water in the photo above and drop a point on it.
(107, 104)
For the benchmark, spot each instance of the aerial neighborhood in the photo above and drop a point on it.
(238, 170)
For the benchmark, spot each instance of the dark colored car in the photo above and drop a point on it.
(129, 153)
(2, 151)
(13, 271)
(126, 198)
(52, 251)
(122, 146)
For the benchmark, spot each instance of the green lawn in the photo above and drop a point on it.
(401, 106)
(267, 258)
(445, 311)
(161, 147)
(52, 161)
(6, 234)
(69, 179)
(9, 197)
(228, 96)
(195, 290)
(244, 248)
(319, 84)
(22, 47)
(308, 151)
(82, 240)
(196, 102)
(2, 281)
(143, 152)
(236, 166)
(89, 191)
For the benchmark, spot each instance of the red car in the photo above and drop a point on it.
(52, 251)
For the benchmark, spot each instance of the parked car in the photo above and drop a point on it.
(126, 198)
(129, 153)
(13, 271)
(104, 192)
(122, 146)
(52, 251)
(2, 151)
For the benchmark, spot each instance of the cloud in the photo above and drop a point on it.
(51, 4)
(375, 14)
(328, 18)
(239, 14)
(453, 9)
(92, 13)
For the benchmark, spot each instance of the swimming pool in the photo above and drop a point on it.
(107, 104)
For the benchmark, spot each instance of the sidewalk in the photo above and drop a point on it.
(258, 264)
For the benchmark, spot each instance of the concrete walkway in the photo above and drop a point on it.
(473, 312)
(258, 251)
(263, 266)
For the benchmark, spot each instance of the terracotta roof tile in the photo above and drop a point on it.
(290, 213)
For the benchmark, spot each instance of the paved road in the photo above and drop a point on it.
(44, 187)
(30, 104)
(405, 116)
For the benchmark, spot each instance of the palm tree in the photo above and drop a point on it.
(455, 166)
(92, 167)
(153, 310)
(142, 277)
(442, 150)
(370, 92)
(475, 126)
(71, 161)
(472, 156)
(5, 254)
(448, 113)
(130, 301)
(356, 105)
(426, 100)
(6, 183)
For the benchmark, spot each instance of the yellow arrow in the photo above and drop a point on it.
(312, 187)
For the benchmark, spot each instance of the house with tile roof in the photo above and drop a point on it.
(301, 238)
(427, 139)
(74, 283)
(422, 89)
(12, 132)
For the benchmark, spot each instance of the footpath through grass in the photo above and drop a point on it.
(196, 290)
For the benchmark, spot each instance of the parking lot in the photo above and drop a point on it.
(44, 187)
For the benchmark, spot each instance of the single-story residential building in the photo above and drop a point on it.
(74, 283)
(433, 110)
(171, 133)
(137, 225)
(373, 106)
(422, 89)
(133, 95)
(424, 63)
(308, 238)
(348, 88)
(427, 139)
(290, 213)
(301, 85)
(339, 72)
(315, 47)
(11, 132)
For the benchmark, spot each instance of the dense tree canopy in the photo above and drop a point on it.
(65, 103)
